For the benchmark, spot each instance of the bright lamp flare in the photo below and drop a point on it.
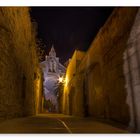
(60, 79)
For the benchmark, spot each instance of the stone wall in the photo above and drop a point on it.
(112, 40)
(132, 74)
(18, 63)
(101, 87)
(70, 97)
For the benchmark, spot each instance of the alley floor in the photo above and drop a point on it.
(57, 123)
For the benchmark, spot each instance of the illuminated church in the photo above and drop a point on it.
(52, 70)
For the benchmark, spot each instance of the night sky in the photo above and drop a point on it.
(69, 28)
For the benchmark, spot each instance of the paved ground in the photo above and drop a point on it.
(56, 123)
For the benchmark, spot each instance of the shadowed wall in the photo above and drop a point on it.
(19, 72)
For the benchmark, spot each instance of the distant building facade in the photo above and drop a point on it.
(52, 70)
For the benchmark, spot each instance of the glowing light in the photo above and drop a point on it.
(60, 79)
(66, 81)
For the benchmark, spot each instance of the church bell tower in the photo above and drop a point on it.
(52, 52)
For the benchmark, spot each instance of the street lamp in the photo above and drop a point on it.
(60, 79)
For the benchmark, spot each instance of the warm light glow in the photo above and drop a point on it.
(66, 81)
(60, 79)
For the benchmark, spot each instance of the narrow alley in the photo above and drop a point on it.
(69, 70)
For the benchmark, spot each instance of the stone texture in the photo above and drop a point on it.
(19, 70)
(102, 88)
(132, 75)
(70, 103)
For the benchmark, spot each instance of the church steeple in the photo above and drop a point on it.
(52, 52)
